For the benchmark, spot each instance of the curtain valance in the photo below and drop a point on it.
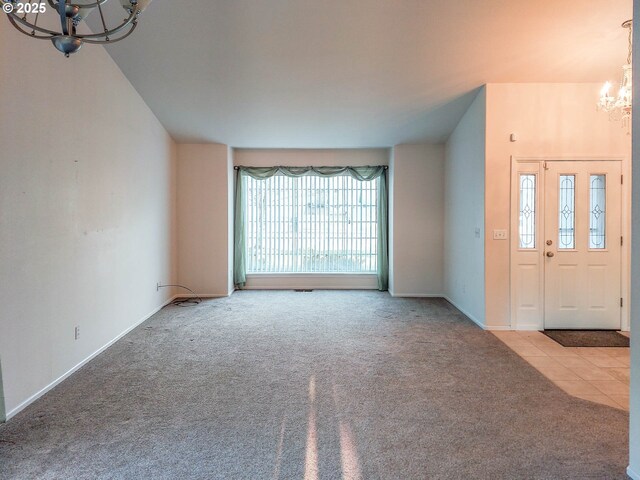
(363, 174)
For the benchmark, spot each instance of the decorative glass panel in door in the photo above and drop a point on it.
(566, 206)
(527, 229)
(597, 203)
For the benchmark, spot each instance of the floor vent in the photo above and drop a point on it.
(302, 290)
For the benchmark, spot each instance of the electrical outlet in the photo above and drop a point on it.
(499, 234)
(76, 333)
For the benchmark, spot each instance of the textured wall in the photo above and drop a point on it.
(88, 210)
(464, 212)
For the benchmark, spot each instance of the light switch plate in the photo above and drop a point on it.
(499, 234)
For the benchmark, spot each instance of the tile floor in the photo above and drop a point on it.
(597, 374)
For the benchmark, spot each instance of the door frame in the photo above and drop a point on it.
(536, 322)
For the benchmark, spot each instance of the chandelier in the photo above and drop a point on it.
(24, 15)
(619, 108)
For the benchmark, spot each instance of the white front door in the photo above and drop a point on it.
(581, 248)
(566, 264)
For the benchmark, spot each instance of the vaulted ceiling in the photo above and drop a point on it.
(354, 73)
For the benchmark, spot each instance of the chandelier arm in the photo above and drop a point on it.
(89, 5)
(98, 3)
(35, 22)
(13, 16)
(32, 35)
(124, 24)
(133, 27)
(83, 5)
(104, 24)
(63, 17)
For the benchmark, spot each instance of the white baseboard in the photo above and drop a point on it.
(528, 328)
(416, 295)
(202, 295)
(471, 317)
(633, 474)
(37, 395)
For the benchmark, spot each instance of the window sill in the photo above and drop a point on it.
(329, 281)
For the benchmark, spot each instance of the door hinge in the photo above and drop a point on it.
(621, 241)
(620, 302)
(621, 179)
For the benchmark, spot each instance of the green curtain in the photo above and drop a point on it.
(239, 234)
(359, 173)
(383, 233)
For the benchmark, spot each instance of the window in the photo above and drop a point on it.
(527, 211)
(597, 217)
(566, 206)
(311, 224)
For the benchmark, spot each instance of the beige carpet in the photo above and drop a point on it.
(327, 385)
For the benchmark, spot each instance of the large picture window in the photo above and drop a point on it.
(311, 220)
(311, 224)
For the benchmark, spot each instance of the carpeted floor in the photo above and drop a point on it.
(327, 385)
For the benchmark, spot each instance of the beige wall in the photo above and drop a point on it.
(464, 212)
(88, 210)
(256, 157)
(416, 220)
(203, 218)
(550, 120)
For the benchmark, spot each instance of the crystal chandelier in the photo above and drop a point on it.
(619, 108)
(24, 15)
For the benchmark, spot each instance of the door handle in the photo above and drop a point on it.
(550, 254)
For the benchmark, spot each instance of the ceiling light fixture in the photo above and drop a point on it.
(24, 16)
(619, 108)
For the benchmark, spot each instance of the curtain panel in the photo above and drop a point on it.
(358, 173)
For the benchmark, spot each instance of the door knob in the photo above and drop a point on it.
(550, 254)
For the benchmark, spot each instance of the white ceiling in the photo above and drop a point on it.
(354, 73)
